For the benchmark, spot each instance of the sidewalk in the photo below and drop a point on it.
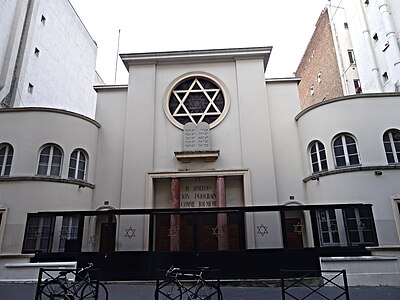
(134, 291)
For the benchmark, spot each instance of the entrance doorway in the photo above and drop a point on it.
(198, 232)
(107, 237)
(294, 233)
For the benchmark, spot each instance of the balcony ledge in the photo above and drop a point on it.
(187, 156)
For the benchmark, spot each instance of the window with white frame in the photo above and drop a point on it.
(328, 227)
(6, 156)
(312, 90)
(345, 151)
(391, 142)
(360, 226)
(50, 161)
(3, 215)
(38, 234)
(352, 58)
(77, 165)
(357, 86)
(318, 157)
(351, 226)
(69, 231)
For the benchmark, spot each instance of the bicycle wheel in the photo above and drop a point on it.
(207, 291)
(89, 292)
(53, 289)
(168, 290)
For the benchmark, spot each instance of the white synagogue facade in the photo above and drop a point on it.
(200, 159)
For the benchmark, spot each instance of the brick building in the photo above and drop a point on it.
(354, 49)
(318, 69)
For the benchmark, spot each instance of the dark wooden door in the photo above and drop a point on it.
(294, 233)
(197, 232)
(163, 233)
(107, 237)
(207, 232)
(188, 238)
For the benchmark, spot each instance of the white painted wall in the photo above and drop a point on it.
(369, 58)
(27, 130)
(349, 115)
(7, 10)
(111, 110)
(62, 73)
(342, 41)
(243, 138)
(284, 104)
(12, 15)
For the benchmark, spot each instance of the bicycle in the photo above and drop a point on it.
(62, 288)
(196, 288)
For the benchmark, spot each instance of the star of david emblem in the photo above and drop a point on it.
(130, 233)
(298, 228)
(333, 227)
(361, 226)
(262, 230)
(64, 234)
(93, 240)
(195, 100)
(173, 231)
(218, 230)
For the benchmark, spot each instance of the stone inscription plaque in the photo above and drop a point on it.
(203, 137)
(198, 192)
(189, 137)
(196, 138)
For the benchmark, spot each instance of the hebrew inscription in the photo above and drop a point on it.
(196, 138)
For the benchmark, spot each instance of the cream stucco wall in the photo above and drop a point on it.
(243, 137)
(47, 57)
(284, 105)
(111, 110)
(366, 118)
(27, 130)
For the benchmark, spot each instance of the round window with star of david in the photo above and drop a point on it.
(196, 99)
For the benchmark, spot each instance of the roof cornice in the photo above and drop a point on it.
(49, 110)
(230, 54)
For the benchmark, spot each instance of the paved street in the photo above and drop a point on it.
(131, 291)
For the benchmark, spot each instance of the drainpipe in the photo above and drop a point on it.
(370, 50)
(338, 49)
(390, 31)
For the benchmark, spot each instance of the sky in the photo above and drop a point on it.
(160, 25)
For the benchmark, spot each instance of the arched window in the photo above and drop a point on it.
(50, 161)
(391, 142)
(345, 150)
(318, 157)
(6, 156)
(77, 165)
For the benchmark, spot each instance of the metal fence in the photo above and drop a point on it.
(314, 284)
(56, 283)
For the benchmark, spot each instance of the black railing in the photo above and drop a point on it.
(314, 284)
(196, 284)
(56, 283)
(261, 239)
